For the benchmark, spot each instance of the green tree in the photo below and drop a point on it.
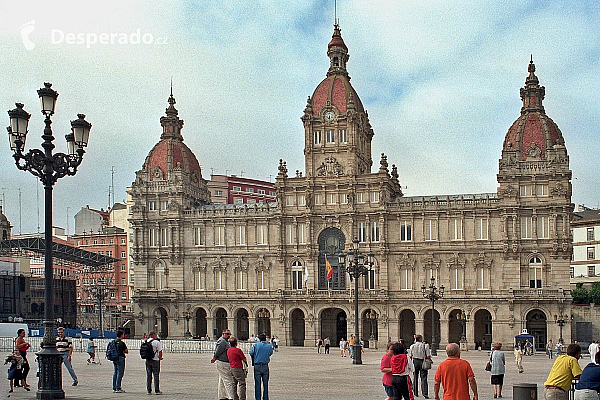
(595, 293)
(580, 295)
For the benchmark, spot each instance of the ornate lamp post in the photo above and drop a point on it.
(357, 267)
(372, 318)
(462, 318)
(561, 320)
(187, 324)
(48, 167)
(433, 294)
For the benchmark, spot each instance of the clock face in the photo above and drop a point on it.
(329, 116)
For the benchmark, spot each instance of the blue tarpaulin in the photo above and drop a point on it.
(85, 333)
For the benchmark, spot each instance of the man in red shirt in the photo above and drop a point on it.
(237, 360)
(456, 376)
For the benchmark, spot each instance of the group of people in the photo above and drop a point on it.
(566, 368)
(19, 365)
(323, 344)
(232, 367)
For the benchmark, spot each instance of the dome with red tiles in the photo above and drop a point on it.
(533, 133)
(336, 91)
(170, 154)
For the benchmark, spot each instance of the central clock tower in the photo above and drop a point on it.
(337, 131)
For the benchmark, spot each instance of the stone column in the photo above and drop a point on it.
(443, 334)
(252, 326)
(471, 333)
(420, 326)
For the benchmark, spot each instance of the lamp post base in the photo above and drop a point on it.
(50, 361)
(357, 354)
(463, 345)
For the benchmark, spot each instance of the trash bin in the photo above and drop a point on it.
(366, 344)
(525, 391)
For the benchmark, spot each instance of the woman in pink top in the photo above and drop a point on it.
(386, 368)
(237, 361)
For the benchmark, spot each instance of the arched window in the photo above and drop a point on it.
(535, 273)
(297, 275)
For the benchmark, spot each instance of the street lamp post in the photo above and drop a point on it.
(433, 294)
(357, 267)
(48, 167)
(461, 316)
(187, 324)
(372, 318)
(561, 320)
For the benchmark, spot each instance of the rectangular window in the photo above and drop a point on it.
(240, 280)
(430, 230)
(542, 227)
(241, 235)
(123, 281)
(343, 198)
(343, 136)
(153, 237)
(123, 268)
(362, 232)
(374, 231)
(111, 241)
(219, 236)
(261, 234)
(218, 193)
(289, 233)
(572, 272)
(455, 229)
(406, 279)
(405, 231)
(541, 190)
(122, 254)
(249, 190)
(526, 190)
(199, 281)
(123, 294)
(112, 294)
(591, 253)
(122, 241)
(370, 280)
(101, 252)
(526, 227)
(262, 280)
(261, 191)
(481, 229)
(238, 200)
(152, 206)
(483, 278)
(360, 197)
(329, 136)
(318, 199)
(250, 201)
(301, 200)
(219, 280)
(164, 205)
(289, 200)
(164, 237)
(457, 278)
(591, 271)
(331, 198)
(374, 197)
(302, 234)
(271, 193)
(535, 277)
(297, 277)
(317, 137)
(590, 234)
(237, 188)
(198, 240)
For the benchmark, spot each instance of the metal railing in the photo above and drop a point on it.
(169, 345)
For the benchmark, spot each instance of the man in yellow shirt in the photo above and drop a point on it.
(565, 368)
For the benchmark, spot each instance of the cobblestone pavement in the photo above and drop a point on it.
(296, 373)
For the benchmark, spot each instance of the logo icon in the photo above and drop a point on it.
(25, 31)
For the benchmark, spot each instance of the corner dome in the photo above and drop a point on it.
(171, 155)
(337, 91)
(533, 133)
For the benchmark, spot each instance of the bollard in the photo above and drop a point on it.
(525, 391)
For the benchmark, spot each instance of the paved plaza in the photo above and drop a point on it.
(296, 373)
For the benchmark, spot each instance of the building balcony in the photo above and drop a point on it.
(554, 294)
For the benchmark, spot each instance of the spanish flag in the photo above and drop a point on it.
(329, 269)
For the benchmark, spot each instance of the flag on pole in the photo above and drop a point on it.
(329, 269)
(351, 277)
(306, 275)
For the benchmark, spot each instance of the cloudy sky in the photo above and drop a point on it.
(440, 80)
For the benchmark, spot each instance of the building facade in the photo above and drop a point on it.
(585, 266)
(503, 257)
(231, 189)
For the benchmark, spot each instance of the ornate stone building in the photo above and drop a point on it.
(503, 257)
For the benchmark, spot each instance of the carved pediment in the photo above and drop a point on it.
(481, 261)
(454, 261)
(330, 167)
(533, 152)
(405, 262)
(429, 262)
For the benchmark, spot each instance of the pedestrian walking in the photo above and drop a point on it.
(498, 369)
(343, 347)
(386, 369)
(351, 343)
(65, 346)
(319, 345)
(593, 349)
(327, 344)
(21, 346)
(588, 386)
(153, 362)
(402, 369)
(119, 364)
(518, 358)
(261, 356)
(419, 353)
(558, 348)
(565, 369)
(550, 349)
(91, 350)
(239, 369)
(455, 376)
(276, 343)
(14, 371)
(226, 382)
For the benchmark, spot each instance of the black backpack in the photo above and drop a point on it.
(146, 350)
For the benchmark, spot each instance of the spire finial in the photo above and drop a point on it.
(171, 98)
(335, 20)
(171, 86)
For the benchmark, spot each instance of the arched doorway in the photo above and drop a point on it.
(298, 327)
(334, 325)
(220, 322)
(427, 326)
(454, 326)
(264, 321)
(161, 323)
(369, 325)
(201, 326)
(331, 242)
(242, 324)
(406, 325)
(537, 327)
(483, 329)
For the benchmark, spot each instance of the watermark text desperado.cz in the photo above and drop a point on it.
(90, 39)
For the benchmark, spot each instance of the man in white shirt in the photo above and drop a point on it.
(153, 364)
(419, 352)
(593, 349)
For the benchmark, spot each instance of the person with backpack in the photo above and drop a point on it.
(151, 350)
(115, 352)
